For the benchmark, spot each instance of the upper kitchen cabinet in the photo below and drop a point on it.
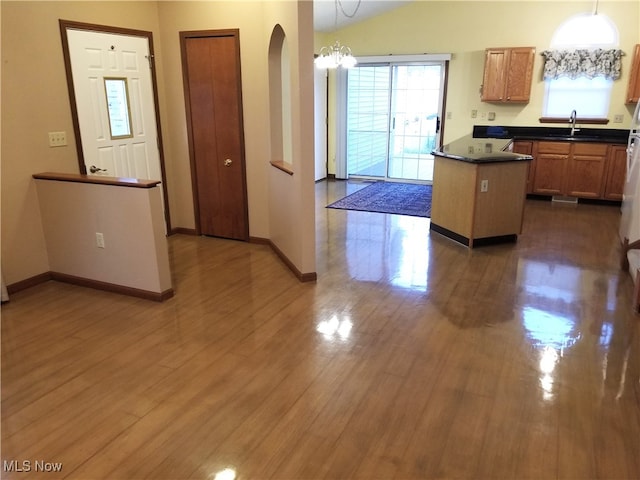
(633, 93)
(507, 74)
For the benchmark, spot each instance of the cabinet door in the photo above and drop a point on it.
(507, 74)
(616, 172)
(586, 172)
(551, 167)
(495, 69)
(549, 176)
(633, 91)
(526, 147)
(519, 73)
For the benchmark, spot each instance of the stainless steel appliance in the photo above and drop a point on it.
(630, 220)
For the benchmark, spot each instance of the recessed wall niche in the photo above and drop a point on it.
(280, 100)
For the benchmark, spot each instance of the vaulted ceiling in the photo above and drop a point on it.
(330, 15)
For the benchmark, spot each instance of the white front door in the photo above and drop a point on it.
(113, 87)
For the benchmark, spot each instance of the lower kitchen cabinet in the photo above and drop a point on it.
(578, 169)
(586, 170)
(551, 167)
(526, 147)
(616, 172)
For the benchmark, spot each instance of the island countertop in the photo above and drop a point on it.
(480, 150)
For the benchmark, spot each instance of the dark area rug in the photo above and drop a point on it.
(386, 197)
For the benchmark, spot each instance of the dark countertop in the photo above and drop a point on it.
(480, 150)
(558, 134)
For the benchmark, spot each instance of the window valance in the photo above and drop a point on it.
(582, 62)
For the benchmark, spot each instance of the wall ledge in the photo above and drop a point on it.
(280, 165)
(97, 179)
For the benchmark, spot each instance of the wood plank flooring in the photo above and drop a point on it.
(411, 357)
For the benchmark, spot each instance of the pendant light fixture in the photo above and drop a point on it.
(337, 55)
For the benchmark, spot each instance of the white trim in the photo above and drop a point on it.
(341, 98)
(341, 124)
(341, 168)
(422, 58)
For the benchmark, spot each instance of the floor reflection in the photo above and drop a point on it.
(389, 248)
(556, 288)
(549, 329)
(335, 328)
(548, 360)
(568, 308)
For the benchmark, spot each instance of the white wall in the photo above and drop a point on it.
(135, 253)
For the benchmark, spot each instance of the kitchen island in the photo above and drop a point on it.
(479, 190)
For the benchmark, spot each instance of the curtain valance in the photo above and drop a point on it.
(582, 62)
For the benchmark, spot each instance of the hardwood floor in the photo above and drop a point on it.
(411, 357)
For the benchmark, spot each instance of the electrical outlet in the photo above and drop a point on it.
(618, 118)
(484, 186)
(491, 116)
(57, 139)
(99, 240)
(474, 113)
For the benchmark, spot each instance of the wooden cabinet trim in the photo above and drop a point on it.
(590, 149)
(633, 90)
(554, 147)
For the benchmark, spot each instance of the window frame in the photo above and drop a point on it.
(580, 44)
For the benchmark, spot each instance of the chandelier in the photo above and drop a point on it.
(335, 56)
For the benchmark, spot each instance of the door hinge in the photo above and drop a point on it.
(150, 58)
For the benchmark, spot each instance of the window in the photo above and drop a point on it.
(580, 67)
(390, 116)
(393, 119)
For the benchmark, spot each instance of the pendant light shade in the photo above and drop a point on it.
(335, 56)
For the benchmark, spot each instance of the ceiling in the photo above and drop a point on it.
(324, 12)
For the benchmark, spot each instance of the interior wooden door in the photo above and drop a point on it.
(211, 69)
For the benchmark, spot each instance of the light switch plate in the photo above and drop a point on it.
(57, 139)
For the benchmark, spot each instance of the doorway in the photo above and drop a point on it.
(213, 99)
(112, 87)
(394, 119)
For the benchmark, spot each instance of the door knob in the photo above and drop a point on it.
(94, 169)
(228, 162)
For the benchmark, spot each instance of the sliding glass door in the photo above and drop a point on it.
(393, 120)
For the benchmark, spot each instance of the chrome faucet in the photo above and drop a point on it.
(572, 121)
